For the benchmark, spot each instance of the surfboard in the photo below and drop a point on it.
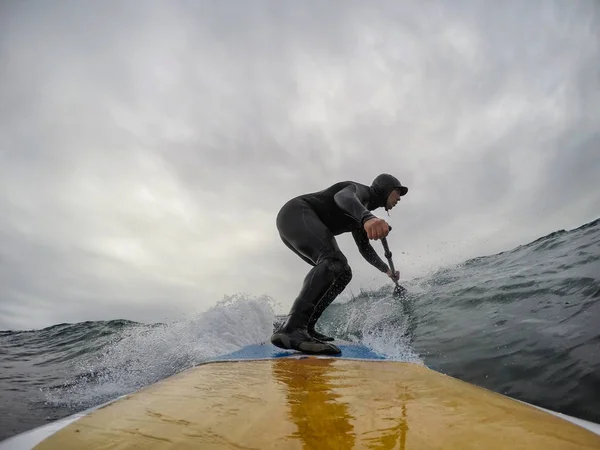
(262, 397)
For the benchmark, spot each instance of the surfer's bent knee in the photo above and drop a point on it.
(338, 264)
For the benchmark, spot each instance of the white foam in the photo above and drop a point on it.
(381, 323)
(143, 355)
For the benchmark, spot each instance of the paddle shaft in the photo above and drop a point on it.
(388, 254)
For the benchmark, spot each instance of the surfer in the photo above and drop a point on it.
(307, 225)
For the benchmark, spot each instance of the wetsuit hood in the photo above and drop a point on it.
(383, 185)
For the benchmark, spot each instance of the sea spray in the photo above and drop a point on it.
(141, 354)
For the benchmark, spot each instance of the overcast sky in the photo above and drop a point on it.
(146, 147)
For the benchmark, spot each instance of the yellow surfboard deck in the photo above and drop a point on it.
(317, 403)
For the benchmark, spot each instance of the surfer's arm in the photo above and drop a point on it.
(348, 200)
(367, 251)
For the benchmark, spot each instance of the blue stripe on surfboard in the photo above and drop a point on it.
(269, 351)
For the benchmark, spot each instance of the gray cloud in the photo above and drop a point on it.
(145, 148)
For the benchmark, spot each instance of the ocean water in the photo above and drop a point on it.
(525, 323)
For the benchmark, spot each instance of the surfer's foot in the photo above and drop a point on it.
(300, 340)
(319, 336)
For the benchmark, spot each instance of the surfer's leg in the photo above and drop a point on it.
(323, 303)
(336, 289)
(327, 299)
(302, 230)
(321, 286)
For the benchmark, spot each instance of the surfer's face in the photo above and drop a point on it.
(393, 199)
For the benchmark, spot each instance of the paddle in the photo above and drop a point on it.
(399, 290)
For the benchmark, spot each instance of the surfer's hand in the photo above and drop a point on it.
(393, 276)
(376, 228)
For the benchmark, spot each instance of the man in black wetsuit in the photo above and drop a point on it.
(308, 225)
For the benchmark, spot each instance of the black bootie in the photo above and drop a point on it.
(300, 340)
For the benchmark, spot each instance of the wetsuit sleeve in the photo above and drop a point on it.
(367, 251)
(348, 200)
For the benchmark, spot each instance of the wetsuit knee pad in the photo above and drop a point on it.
(339, 267)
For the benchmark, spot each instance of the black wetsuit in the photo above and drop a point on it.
(308, 225)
